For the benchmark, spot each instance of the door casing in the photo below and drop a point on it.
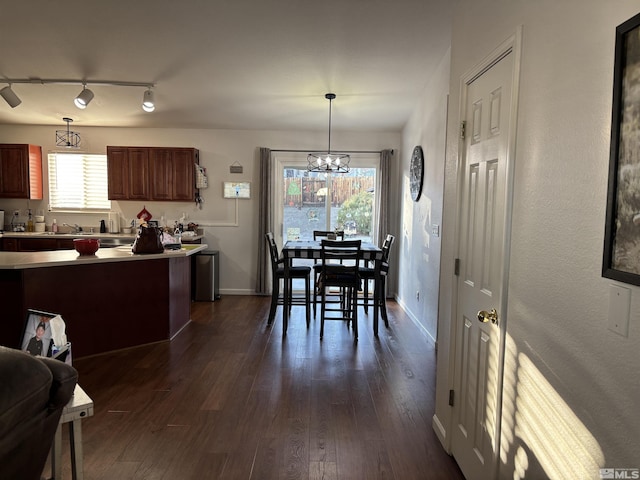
(513, 46)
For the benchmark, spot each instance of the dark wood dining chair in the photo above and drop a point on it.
(282, 270)
(340, 264)
(317, 267)
(378, 274)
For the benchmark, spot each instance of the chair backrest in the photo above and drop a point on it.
(340, 256)
(273, 250)
(386, 247)
(328, 234)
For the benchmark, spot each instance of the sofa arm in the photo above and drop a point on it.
(64, 381)
(33, 393)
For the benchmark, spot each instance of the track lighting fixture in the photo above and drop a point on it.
(148, 103)
(83, 98)
(10, 96)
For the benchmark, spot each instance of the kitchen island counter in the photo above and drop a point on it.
(109, 301)
(56, 258)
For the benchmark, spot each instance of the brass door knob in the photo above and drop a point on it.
(491, 316)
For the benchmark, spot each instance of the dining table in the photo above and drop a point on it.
(312, 249)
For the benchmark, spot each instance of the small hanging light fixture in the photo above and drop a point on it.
(328, 162)
(67, 138)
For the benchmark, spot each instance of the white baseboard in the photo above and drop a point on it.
(415, 320)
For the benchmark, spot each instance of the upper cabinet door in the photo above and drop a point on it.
(161, 174)
(118, 173)
(138, 173)
(20, 171)
(184, 161)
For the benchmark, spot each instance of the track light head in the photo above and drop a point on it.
(10, 97)
(83, 99)
(148, 103)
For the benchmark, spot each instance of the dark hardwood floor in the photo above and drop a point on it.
(229, 398)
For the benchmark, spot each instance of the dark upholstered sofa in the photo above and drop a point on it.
(33, 392)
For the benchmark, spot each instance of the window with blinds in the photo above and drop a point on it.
(78, 181)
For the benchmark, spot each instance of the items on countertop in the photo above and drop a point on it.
(148, 240)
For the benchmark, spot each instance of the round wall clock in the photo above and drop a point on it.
(416, 173)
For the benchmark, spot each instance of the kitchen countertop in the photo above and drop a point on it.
(124, 236)
(23, 260)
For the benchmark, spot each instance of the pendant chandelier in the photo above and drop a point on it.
(328, 162)
(67, 138)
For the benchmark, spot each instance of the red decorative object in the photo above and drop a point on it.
(144, 215)
(86, 246)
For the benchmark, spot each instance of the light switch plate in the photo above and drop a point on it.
(619, 309)
(435, 230)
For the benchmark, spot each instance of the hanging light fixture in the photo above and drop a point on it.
(10, 96)
(148, 103)
(83, 98)
(67, 138)
(328, 162)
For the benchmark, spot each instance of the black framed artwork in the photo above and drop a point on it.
(416, 173)
(621, 257)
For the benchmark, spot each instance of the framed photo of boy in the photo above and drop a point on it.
(37, 337)
(621, 257)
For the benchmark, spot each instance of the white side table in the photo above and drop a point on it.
(80, 406)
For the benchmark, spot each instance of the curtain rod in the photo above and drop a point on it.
(341, 151)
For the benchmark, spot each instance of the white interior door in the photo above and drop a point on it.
(483, 251)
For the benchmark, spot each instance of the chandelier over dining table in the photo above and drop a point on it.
(328, 162)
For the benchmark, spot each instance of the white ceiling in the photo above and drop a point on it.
(224, 64)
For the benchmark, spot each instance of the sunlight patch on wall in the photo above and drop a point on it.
(538, 427)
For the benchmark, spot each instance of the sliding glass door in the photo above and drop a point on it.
(307, 201)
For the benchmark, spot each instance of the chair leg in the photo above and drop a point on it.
(322, 312)
(315, 291)
(366, 295)
(383, 302)
(275, 292)
(307, 299)
(354, 315)
(376, 299)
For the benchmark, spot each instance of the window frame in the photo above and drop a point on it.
(53, 164)
(282, 160)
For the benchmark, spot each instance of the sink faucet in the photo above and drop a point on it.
(76, 228)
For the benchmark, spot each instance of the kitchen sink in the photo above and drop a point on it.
(114, 242)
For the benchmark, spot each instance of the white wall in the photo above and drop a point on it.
(218, 150)
(419, 248)
(572, 388)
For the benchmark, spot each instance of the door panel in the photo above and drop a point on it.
(478, 369)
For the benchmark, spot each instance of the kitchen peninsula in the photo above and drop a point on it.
(111, 300)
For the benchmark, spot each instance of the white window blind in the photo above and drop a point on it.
(78, 181)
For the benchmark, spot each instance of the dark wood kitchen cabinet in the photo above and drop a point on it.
(36, 244)
(152, 173)
(128, 173)
(20, 171)
(172, 173)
